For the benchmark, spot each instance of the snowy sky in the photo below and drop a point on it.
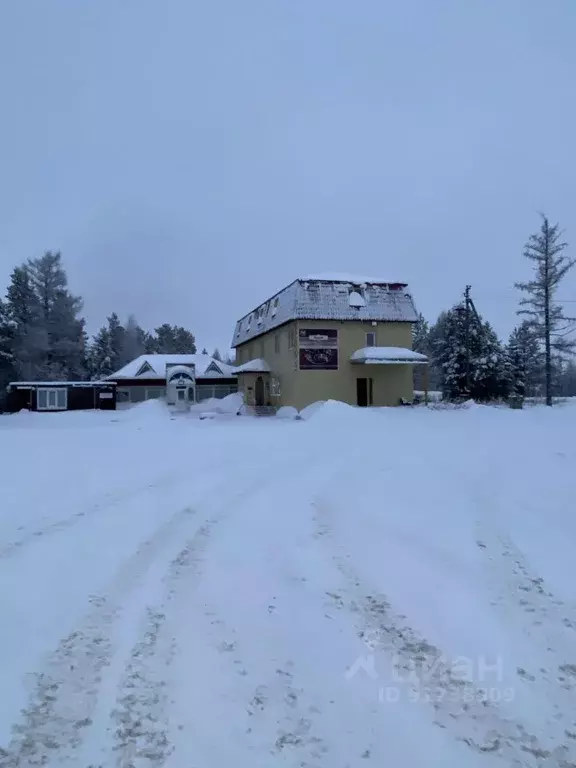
(191, 158)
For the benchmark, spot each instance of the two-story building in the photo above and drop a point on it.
(327, 337)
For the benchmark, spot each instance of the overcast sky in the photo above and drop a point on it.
(191, 158)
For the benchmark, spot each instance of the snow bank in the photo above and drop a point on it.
(229, 405)
(310, 410)
(287, 412)
(148, 411)
(333, 412)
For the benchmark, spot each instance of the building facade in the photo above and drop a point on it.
(60, 396)
(158, 376)
(341, 338)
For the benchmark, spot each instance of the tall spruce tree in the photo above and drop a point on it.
(525, 361)
(107, 348)
(471, 358)
(216, 355)
(546, 316)
(174, 339)
(420, 343)
(134, 341)
(7, 370)
(30, 341)
(64, 355)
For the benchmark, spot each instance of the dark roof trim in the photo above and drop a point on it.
(60, 384)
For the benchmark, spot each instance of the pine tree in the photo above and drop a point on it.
(436, 334)
(64, 356)
(471, 357)
(216, 355)
(525, 361)
(116, 338)
(30, 341)
(490, 375)
(420, 343)
(134, 341)
(545, 315)
(204, 351)
(420, 334)
(7, 370)
(174, 339)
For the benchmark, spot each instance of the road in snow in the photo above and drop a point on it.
(392, 588)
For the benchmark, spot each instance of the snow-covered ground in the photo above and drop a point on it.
(390, 588)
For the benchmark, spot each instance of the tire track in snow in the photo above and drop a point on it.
(547, 621)
(136, 713)
(102, 504)
(458, 705)
(65, 691)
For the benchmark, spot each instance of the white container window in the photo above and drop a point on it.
(371, 339)
(52, 399)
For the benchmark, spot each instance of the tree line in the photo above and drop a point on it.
(43, 336)
(468, 360)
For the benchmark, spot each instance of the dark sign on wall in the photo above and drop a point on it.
(312, 338)
(318, 349)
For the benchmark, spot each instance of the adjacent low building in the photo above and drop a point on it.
(326, 337)
(60, 396)
(158, 376)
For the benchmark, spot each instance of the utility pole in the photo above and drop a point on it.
(467, 337)
(469, 311)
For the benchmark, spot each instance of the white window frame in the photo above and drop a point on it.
(275, 389)
(373, 334)
(59, 393)
(277, 343)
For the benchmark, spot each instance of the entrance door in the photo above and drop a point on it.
(364, 392)
(259, 391)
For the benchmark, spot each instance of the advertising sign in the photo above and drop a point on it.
(318, 349)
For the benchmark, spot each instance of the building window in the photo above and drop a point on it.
(262, 348)
(52, 399)
(277, 343)
(292, 338)
(155, 392)
(371, 339)
(275, 390)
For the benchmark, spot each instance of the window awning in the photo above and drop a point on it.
(388, 356)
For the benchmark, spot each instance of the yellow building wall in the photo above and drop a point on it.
(300, 388)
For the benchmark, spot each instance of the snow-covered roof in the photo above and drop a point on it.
(329, 298)
(154, 367)
(390, 355)
(253, 366)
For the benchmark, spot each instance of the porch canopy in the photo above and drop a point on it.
(387, 356)
(253, 366)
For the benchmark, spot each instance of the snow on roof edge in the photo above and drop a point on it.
(387, 355)
(343, 277)
(258, 365)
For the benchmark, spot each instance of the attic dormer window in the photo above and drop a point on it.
(356, 297)
(275, 306)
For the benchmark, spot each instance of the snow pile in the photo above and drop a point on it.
(229, 405)
(287, 412)
(333, 412)
(150, 411)
(309, 411)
